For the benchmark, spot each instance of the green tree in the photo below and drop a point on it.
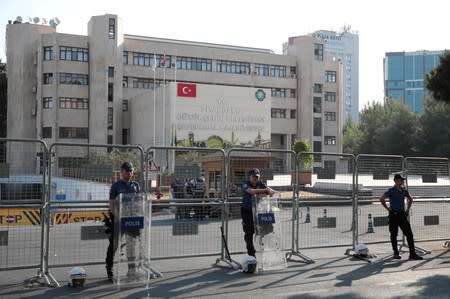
(438, 80)
(435, 133)
(352, 137)
(301, 145)
(389, 128)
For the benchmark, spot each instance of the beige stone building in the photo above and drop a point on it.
(114, 88)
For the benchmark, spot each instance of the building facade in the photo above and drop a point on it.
(404, 74)
(114, 88)
(344, 46)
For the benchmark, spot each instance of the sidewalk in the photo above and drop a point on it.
(333, 275)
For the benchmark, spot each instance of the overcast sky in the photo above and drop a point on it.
(383, 26)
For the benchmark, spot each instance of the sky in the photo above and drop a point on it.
(383, 26)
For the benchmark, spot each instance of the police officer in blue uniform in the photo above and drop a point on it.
(125, 185)
(250, 188)
(398, 216)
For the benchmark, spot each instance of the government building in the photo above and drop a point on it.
(113, 88)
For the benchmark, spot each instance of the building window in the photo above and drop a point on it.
(125, 82)
(125, 57)
(124, 105)
(317, 105)
(194, 64)
(110, 118)
(48, 78)
(330, 96)
(235, 67)
(112, 28)
(317, 148)
(145, 83)
(317, 88)
(262, 69)
(293, 93)
(318, 52)
(330, 76)
(110, 92)
(69, 78)
(144, 59)
(293, 113)
(73, 54)
(330, 116)
(74, 103)
(48, 53)
(293, 71)
(74, 133)
(278, 113)
(279, 92)
(281, 139)
(124, 136)
(330, 140)
(278, 71)
(47, 103)
(110, 71)
(317, 126)
(47, 132)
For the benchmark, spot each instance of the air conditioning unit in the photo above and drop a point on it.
(33, 111)
(33, 89)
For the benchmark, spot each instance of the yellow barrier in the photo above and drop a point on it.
(65, 217)
(20, 216)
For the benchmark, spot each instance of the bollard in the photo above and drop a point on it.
(308, 215)
(370, 225)
(324, 213)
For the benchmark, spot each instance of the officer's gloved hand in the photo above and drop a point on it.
(108, 222)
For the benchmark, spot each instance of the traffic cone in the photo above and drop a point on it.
(308, 215)
(370, 225)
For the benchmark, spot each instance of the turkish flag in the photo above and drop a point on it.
(187, 90)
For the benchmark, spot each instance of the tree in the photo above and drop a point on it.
(352, 137)
(438, 80)
(301, 145)
(435, 133)
(389, 128)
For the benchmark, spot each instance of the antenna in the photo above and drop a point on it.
(36, 20)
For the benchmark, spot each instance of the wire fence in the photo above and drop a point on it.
(53, 202)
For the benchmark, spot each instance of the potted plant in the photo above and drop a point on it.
(305, 160)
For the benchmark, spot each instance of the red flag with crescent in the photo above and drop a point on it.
(187, 90)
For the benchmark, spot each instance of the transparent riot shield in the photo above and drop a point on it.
(268, 233)
(132, 238)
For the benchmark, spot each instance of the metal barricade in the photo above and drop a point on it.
(374, 176)
(80, 179)
(326, 200)
(23, 173)
(278, 171)
(428, 182)
(189, 186)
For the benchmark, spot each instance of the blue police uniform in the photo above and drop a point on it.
(399, 218)
(117, 188)
(247, 215)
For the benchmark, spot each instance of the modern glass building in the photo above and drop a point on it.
(404, 74)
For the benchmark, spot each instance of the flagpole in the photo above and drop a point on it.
(154, 102)
(174, 104)
(164, 100)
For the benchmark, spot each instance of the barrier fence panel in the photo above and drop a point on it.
(22, 197)
(188, 214)
(325, 199)
(80, 179)
(374, 176)
(428, 182)
(278, 171)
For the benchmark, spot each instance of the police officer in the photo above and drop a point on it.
(398, 216)
(125, 185)
(251, 187)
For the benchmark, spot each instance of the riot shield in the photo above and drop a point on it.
(132, 238)
(268, 234)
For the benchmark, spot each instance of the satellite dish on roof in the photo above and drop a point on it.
(30, 19)
(52, 23)
(57, 21)
(36, 20)
(44, 21)
(19, 19)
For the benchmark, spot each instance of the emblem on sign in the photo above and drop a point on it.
(260, 95)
